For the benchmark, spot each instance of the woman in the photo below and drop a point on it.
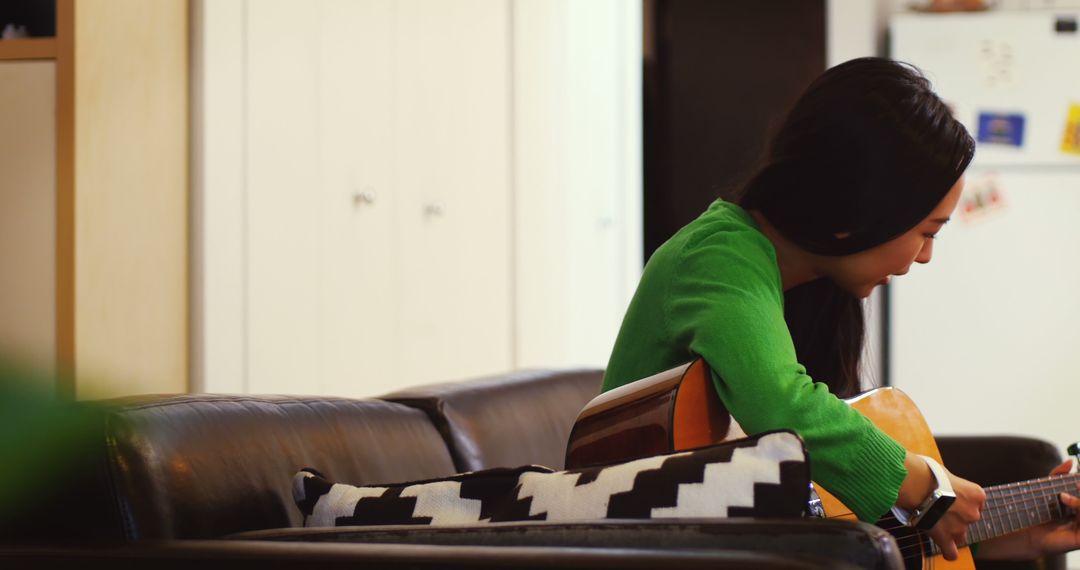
(857, 182)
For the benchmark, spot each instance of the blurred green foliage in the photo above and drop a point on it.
(43, 440)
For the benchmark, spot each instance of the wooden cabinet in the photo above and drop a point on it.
(27, 209)
(377, 213)
(381, 219)
(98, 135)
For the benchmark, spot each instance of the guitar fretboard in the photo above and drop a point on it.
(1015, 506)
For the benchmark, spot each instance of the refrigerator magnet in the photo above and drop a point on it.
(982, 196)
(1005, 129)
(1070, 140)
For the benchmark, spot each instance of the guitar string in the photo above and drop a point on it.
(997, 512)
(998, 518)
(1037, 486)
(918, 540)
(1031, 494)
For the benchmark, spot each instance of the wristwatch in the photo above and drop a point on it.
(930, 511)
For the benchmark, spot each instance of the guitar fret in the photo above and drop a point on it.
(1010, 511)
(1042, 502)
(989, 524)
(999, 526)
(1024, 510)
(1019, 509)
(1016, 506)
(1005, 513)
(1032, 501)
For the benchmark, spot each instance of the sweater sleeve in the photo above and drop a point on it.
(725, 303)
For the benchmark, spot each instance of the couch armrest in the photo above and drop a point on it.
(839, 542)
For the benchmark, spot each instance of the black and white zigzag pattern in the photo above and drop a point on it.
(764, 475)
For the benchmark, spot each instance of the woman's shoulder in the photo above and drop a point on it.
(725, 228)
(723, 246)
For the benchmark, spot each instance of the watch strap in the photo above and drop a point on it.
(936, 503)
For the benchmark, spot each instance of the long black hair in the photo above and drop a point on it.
(867, 152)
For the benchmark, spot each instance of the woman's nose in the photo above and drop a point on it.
(926, 252)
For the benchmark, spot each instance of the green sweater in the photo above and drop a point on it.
(714, 290)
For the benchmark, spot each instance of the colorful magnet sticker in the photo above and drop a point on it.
(982, 195)
(1001, 128)
(1070, 141)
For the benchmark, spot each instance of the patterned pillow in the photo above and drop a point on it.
(764, 476)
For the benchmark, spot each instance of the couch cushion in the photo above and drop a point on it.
(200, 466)
(507, 420)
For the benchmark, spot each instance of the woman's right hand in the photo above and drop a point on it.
(951, 529)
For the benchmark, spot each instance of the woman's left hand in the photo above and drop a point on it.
(1062, 536)
(1043, 540)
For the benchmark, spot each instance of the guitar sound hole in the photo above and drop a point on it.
(914, 545)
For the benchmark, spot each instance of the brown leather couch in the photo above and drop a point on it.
(205, 478)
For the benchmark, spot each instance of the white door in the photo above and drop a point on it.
(378, 194)
(432, 189)
(285, 218)
(359, 283)
(453, 155)
(577, 176)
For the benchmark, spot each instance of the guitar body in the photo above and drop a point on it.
(678, 409)
(893, 412)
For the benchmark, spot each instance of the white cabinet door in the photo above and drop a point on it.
(359, 284)
(435, 189)
(284, 174)
(453, 174)
(577, 176)
(378, 193)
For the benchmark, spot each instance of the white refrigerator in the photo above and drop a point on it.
(986, 338)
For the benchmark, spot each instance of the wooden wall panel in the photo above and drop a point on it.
(27, 203)
(131, 199)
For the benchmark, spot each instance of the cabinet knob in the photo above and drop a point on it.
(365, 196)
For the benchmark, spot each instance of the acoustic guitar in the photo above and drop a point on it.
(678, 409)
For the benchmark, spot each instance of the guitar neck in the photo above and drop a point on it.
(1016, 506)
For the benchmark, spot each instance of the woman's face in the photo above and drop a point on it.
(859, 273)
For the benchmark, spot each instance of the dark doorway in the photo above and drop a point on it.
(718, 74)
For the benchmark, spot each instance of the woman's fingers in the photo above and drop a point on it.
(945, 542)
(948, 550)
(966, 509)
(1065, 467)
(1072, 503)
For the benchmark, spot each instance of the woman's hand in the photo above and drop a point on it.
(1043, 540)
(951, 530)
